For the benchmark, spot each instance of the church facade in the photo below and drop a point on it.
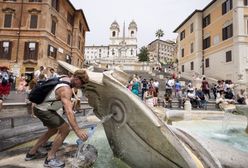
(122, 47)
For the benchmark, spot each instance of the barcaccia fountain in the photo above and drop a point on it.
(138, 137)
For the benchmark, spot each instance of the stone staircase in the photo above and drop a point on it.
(17, 126)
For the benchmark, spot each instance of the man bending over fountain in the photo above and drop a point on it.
(59, 97)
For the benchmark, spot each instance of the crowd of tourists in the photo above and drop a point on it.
(198, 94)
(146, 89)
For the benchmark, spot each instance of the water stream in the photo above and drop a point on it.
(97, 138)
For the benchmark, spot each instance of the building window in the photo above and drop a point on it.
(33, 21)
(31, 50)
(68, 59)
(70, 18)
(182, 52)
(206, 21)
(80, 27)
(113, 34)
(131, 51)
(226, 6)
(7, 20)
(182, 68)
(5, 49)
(207, 62)
(228, 56)
(206, 43)
(191, 27)
(35, 0)
(191, 65)
(69, 37)
(191, 47)
(227, 32)
(246, 19)
(53, 27)
(113, 52)
(52, 51)
(245, 2)
(132, 33)
(55, 4)
(182, 35)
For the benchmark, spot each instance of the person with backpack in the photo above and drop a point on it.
(59, 95)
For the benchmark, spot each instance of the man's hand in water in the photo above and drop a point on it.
(82, 134)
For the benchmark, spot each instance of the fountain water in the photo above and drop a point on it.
(86, 153)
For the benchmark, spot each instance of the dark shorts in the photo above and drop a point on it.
(50, 119)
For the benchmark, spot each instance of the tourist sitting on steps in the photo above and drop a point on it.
(47, 112)
(242, 97)
(229, 96)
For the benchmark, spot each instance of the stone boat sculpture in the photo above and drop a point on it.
(135, 134)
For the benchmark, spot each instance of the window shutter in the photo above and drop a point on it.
(10, 50)
(57, 5)
(223, 8)
(55, 53)
(7, 20)
(36, 50)
(1, 49)
(33, 21)
(48, 50)
(26, 51)
(53, 29)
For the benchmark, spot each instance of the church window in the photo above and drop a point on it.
(132, 33)
(113, 33)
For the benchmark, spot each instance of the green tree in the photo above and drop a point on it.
(159, 33)
(144, 54)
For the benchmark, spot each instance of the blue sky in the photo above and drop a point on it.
(149, 16)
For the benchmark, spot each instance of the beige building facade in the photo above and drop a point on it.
(162, 51)
(40, 32)
(214, 41)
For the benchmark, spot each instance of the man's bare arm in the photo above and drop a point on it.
(65, 95)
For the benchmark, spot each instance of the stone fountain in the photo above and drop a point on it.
(139, 138)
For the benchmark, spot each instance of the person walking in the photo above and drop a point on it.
(205, 87)
(21, 88)
(47, 112)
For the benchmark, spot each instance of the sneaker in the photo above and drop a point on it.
(54, 163)
(37, 155)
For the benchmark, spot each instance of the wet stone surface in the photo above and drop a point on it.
(15, 158)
